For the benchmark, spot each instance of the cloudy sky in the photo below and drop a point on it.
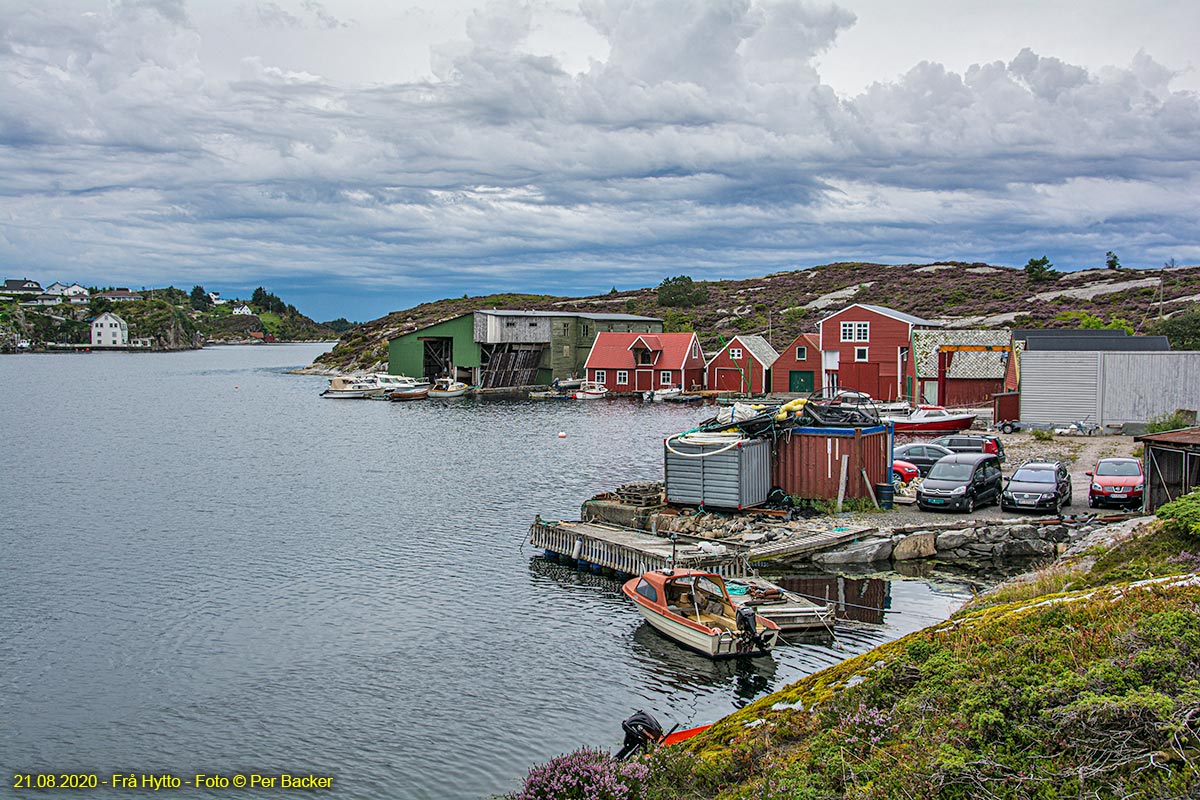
(360, 156)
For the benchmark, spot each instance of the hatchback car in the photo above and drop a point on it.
(962, 481)
(1116, 482)
(922, 454)
(973, 443)
(1038, 486)
(903, 472)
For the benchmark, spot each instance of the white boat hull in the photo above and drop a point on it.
(714, 645)
(349, 394)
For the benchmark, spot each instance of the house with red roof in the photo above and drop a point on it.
(798, 368)
(865, 348)
(743, 366)
(640, 362)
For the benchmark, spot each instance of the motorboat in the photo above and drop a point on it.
(590, 390)
(643, 731)
(415, 393)
(402, 385)
(930, 419)
(352, 388)
(693, 608)
(446, 388)
(662, 395)
(789, 610)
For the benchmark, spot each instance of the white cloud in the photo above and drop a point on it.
(704, 141)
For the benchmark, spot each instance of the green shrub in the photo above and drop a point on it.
(1182, 516)
(1168, 422)
(1043, 436)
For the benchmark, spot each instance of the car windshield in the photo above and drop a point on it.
(1129, 468)
(1031, 475)
(950, 471)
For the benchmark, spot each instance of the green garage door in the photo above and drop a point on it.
(800, 380)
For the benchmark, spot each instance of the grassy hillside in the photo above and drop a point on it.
(1083, 682)
(784, 304)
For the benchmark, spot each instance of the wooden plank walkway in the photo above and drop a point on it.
(633, 552)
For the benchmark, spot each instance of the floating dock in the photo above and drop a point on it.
(626, 551)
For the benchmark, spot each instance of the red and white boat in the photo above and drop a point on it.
(694, 608)
(930, 419)
(590, 390)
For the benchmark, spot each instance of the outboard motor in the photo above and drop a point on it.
(641, 731)
(747, 624)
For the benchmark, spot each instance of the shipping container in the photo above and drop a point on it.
(736, 477)
(808, 461)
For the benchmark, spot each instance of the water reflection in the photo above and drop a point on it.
(683, 669)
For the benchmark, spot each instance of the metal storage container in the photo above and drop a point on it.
(808, 461)
(739, 477)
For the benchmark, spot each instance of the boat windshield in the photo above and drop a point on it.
(1125, 468)
(950, 471)
(710, 586)
(1029, 475)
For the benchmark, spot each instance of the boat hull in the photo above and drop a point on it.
(942, 425)
(713, 645)
(410, 394)
(349, 394)
(446, 394)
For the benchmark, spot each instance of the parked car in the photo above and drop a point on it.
(923, 454)
(1038, 486)
(1116, 482)
(904, 472)
(973, 443)
(962, 481)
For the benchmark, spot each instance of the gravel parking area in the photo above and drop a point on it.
(1079, 453)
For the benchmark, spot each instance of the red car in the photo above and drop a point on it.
(903, 472)
(1116, 482)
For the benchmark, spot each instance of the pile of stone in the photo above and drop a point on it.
(981, 542)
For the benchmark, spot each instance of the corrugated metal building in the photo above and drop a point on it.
(1172, 465)
(1108, 388)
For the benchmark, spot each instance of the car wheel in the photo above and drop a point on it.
(971, 504)
(1070, 496)
(1091, 502)
(897, 480)
(1007, 428)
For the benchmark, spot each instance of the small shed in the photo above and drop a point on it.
(743, 366)
(798, 368)
(1172, 465)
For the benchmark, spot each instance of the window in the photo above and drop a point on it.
(622, 376)
(860, 354)
(665, 377)
(533, 324)
(695, 349)
(856, 331)
(601, 376)
(802, 354)
(586, 331)
(647, 591)
(735, 353)
(510, 323)
(644, 357)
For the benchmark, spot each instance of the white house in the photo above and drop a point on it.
(76, 294)
(243, 310)
(109, 330)
(56, 288)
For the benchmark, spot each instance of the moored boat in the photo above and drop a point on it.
(400, 384)
(445, 388)
(590, 390)
(694, 608)
(416, 393)
(352, 388)
(930, 419)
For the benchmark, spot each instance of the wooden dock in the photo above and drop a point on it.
(631, 552)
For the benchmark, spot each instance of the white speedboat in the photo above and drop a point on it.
(694, 609)
(445, 388)
(590, 390)
(352, 388)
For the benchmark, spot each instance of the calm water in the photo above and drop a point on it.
(208, 568)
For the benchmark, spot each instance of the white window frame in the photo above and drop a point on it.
(802, 354)
(735, 353)
(862, 354)
(664, 377)
(622, 377)
(856, 331)
(601, 376)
